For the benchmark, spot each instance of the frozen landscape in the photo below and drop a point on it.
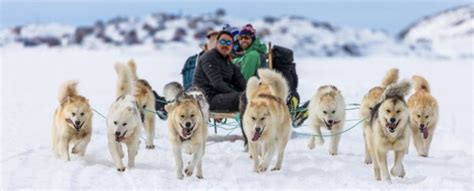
(30, 80)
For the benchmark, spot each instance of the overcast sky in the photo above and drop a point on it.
(391, 16)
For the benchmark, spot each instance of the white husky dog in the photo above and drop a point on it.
(72, 122)
(124, 122)
(390, 130)
(327, 109)
(187, 126)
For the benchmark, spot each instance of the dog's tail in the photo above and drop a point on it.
(420, 83)
(390, 78)
(125, 84)
(393, 90)
(133, 69)
(252, 86)
(68, 89)
(171, 90)
(277, 82)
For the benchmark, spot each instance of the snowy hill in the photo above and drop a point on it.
(449, 33)
(305, 36)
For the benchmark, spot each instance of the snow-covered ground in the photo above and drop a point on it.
(30, 79)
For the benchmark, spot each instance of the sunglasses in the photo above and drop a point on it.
(225, 42)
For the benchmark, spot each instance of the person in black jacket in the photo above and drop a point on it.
(218, 77)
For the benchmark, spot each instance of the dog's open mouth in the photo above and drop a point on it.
(187, 131)
(424, 130)
(329, 125)
(391, 126)
(76, 127)
(120, 137)
(257, 135)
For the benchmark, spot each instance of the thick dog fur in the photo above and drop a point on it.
(327, 110)
(390, 121)
(146, 103)
(72, 122)
(423, 115)
(188, 113)
(123, 121)
(267, 120)
(174, 91)
(368, 103)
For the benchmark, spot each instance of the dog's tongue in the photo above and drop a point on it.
(390, 125)
(186, 132)
(425, 133)
(256, 135)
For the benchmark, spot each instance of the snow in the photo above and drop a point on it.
(31, 79)
(449, 33)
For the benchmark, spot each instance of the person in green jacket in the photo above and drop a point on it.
(253, 52)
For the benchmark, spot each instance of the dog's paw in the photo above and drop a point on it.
(74, 150)
(275, 168)
(423, 155)
(398, 171)
(333, 152)
(199, 176)
(121, 169)
(180, 176)
(387, 179)
(188, 171)
(262, 168)
(368, 161)
(150, 146)
(311, 145)
(65, 158)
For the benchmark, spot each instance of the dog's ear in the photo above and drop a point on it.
(169, 107)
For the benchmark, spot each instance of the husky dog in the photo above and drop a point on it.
(146, 103)
(368, 103)
(267, 120)
(188, 114)
(327, 109)
(390, 121)
(124, 122)
(72, 122)
(423, 115)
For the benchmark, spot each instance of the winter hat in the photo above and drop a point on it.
(248, 30)
(234, 31)
(210, 33)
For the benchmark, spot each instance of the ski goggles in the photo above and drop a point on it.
(225, 42)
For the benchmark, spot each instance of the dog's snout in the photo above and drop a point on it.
(77, 122)
(117, 133)
(330, 121)
(258, 129)
(422, 125)
(392, 120)
(188, 124)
